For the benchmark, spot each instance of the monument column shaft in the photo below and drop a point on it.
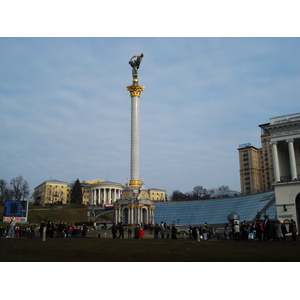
(135, 138)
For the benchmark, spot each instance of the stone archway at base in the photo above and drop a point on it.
(145, 216)
(125, 216)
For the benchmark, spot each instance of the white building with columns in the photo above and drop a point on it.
(104, 193)
(284, 134)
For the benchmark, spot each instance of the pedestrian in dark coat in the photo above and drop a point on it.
(121, 231)
(42, 228)
(267, 228)
(157, 231)
(194, 232)
(293, 229)
(173, 232)
(84, 231)
(114, 231)
(137, 232)
(284, 231)
(244, 231)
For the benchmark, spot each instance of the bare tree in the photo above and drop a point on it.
(223, 188)
(199, 191)
(20, 188)
(5, 192)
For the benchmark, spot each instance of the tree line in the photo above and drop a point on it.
(198, 193)
(16, 189)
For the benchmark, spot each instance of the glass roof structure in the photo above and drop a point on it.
(216, 211)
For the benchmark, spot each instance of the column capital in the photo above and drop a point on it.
(290, 140)
(273, 143)
(135, 90)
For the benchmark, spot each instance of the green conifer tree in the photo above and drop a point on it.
(76, 195)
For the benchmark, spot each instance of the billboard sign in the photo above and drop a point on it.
(17, 208)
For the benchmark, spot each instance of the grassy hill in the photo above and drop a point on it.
(65, 213)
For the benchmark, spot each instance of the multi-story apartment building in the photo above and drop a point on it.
(250, 169)
(52, 192)
(256, 166)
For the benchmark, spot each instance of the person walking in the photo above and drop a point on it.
(244, 231)
(137, 231)
(293, 229)
(173, 232)
(157, 231)
(42, 226)
(141, 233)
(267, 228)
(114, 230)
(194, 232)
(11, 230)
(279, 235)
(129, 233)
(84, 231)
(162, 230)
(236, 230)
(284, 231)
(121, 231)
(204, 231)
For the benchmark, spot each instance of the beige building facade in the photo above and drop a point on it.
(52, 192)
(256, 167)
(250, 169)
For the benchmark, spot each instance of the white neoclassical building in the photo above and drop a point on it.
(105, 193)
(284, 134)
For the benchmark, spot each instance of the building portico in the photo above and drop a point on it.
(105, 193)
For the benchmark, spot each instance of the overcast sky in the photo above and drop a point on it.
(65, 110)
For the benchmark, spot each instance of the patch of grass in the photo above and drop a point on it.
(66, 213)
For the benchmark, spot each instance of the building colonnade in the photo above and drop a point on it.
(104, 195)
(279, 173)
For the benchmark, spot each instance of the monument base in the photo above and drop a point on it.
(134, 206)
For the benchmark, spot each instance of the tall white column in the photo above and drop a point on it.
(135, 138)
(135, 92)
(292, 159)
(275, 162)
(109, 195)
(132, 214)
(92, 197)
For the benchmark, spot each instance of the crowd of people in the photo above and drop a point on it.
(159, 231)
(61, 230)
(259, 230)
(262, 230)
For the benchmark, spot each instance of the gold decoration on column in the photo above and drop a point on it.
(135, 183)
(135, 90)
